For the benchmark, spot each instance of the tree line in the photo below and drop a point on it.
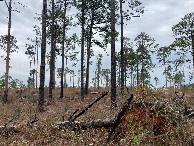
(97, 20)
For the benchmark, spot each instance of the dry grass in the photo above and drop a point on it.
(179, 130)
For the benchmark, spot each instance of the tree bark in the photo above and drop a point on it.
(63, 49)
(113, 62)
(82, 51)
(52, 60)
(7, 59)
(43, 52)
(122, 63)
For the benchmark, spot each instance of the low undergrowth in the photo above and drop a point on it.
(154, 118)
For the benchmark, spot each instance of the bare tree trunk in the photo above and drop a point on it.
(107, 78)
(95, 80)
(73, 80)
(98, 77)
(52, 61)
(125, 76)
(137, 73)
(33, 80)
(82, 52)
(63, 49)
(142, 68)
(36, 63)
(43, 52)
(7, 59)
(131, 77)
(36, 79)
(89, 53)
(122, 64)
(119, 75)
(192, 37)
(113, 62)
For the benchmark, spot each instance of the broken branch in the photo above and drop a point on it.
(83, 111)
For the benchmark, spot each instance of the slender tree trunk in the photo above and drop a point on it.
(36, 79)
(73, 80)
(137, 73)
(98, 76)
(122, 63)
(107, 78)
(142, 68)
(131, 77)
(89, 53)
(192, 37)
(119, 75)
(82, 51)
(33, 80)
(7, 59)
(52, 61)
(95, 80)
(36, 63)
(63, 49)
(113, 62)
(78, 81)
(125, 69)
(43, 52)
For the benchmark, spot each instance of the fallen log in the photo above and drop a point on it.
(89, 106)
(99, 123)
(118, 118)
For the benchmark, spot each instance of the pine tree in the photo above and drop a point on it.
(52, 60)
(113, 61)
(43, 52)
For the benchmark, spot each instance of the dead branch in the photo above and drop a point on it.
(94, 92)
(118, 118)
(29, 124)
(73, 114)
(89, 106)
(14, 118)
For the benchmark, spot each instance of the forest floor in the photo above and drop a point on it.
(156, 117)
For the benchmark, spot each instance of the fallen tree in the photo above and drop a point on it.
(99, 123)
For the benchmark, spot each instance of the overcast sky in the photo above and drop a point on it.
(157, 21)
